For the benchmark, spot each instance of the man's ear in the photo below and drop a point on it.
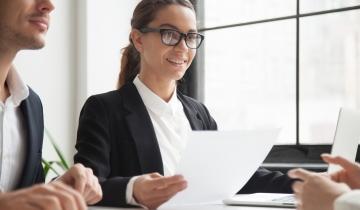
(136, 37)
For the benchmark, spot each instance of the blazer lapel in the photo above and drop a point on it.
(142, 131)
(191, 113)
(33, 143)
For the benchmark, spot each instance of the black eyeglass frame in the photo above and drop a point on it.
(182, 35)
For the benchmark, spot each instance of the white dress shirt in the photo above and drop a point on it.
(12, 134)
(171, 127)
(348, 201)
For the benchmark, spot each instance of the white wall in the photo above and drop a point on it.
(81, 58)
(51, 72)
(104, 31)
(108, 30)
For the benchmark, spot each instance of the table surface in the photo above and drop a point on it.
(197, 207)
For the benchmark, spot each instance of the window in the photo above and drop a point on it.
(288, 63)
(329, 72)
(240, 65)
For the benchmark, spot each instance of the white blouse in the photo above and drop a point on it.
(171, 127)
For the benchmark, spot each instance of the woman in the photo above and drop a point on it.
(132, 137)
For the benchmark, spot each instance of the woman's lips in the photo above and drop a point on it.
(176, 61)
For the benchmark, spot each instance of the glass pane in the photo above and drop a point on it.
(238, 11)
(318, 5)
(330, 72)
(250, 77)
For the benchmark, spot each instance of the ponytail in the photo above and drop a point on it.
(130, 65)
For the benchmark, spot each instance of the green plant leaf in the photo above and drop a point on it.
(48, 166)
(63, 164)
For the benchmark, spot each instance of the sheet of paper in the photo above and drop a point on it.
(217, 164)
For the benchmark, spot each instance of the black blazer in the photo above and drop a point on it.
(117, 140)
(33, 120)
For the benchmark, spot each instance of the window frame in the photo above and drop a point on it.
(193, 85)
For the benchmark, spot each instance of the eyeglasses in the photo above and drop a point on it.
(172, 37)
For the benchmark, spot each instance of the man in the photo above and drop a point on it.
(23, 25)
(339, 191)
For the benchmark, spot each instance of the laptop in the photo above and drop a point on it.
(347, 130)
(346, 140)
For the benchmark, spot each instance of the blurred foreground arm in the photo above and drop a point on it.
(53, 196)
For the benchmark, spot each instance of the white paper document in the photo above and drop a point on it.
(217, 164)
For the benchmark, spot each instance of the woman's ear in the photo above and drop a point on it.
(136, 37)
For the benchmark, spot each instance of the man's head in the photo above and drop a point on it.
(24, 23)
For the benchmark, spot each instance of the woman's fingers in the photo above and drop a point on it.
(343, 162)
(152, 190)
(163, 182)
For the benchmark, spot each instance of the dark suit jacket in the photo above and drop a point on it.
(117, 140)
(32, 111)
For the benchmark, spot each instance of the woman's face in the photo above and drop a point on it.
(162, 61)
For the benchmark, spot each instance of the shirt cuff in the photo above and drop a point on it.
(348, 201)
(130, 192)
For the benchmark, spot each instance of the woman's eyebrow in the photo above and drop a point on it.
(167, 25)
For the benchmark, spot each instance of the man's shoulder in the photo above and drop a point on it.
(33, 97)
(32, 93)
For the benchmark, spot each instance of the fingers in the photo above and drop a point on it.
(71, 196)
(155, 175)
(299, 205)
(45, 202)
(169, 192)
(343, 162)
(79, 175)
(298, 187)
(163, 182)
(67, 201)
(162, 195)
(300, 173)
(93, 189)
(152, 190)
(55, 196)
(85, 182)
(89, 184)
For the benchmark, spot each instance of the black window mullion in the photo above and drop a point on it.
(298, 15)
(194, 80)
(297, 73)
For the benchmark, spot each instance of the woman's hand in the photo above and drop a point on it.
(350, 174)
(315, 191)
(152, 190)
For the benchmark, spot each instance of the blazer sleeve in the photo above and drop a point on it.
(348, 201)
(267, 181)
(32, 111)
(210, 123)
(94, 148)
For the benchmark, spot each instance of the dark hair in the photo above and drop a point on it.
(143, 14)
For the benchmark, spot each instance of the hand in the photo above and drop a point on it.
(350, 174)
(53, 196)
(152, 190)
(83, 180)
(316, 191)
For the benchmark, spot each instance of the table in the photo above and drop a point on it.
(198, 207)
